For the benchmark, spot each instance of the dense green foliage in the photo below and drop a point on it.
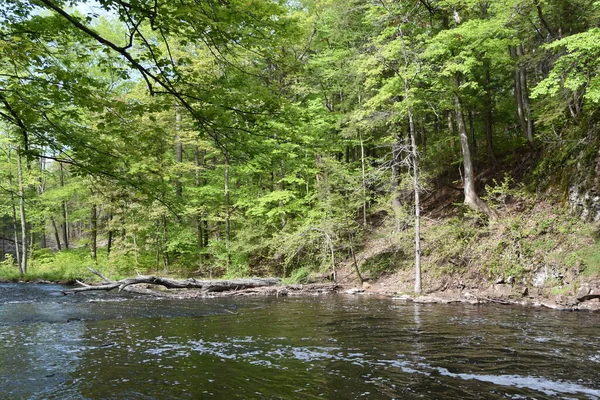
(268, 137)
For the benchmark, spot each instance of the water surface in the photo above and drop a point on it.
(118, 346)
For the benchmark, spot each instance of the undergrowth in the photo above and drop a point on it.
(529, 236)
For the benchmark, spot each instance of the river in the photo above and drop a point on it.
(119, 346)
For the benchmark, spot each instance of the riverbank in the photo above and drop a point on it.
(535, 254)
(587, 298)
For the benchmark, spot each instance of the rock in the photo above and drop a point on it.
(582, 292)
(510, 280)
(587, 292)
(500, 290)
(403, 297)
(499, 281)
(426, 300)
(591, 305)
(567, 301)
(534, 292)
(540, 276)
(366, 285)
(545, 272)
(355, 291)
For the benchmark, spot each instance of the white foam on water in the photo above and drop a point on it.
(543, 385)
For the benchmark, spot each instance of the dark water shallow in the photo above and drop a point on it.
(110, 346)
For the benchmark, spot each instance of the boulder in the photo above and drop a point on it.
(591, 305)
(587, 292)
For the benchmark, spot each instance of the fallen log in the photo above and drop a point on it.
(205, 286)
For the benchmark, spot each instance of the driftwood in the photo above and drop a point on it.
(206, 286)
(285, 290)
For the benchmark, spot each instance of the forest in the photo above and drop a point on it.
(232, 138)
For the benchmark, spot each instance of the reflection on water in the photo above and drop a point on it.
(105, 346)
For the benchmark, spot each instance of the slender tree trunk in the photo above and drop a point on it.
(450, 128)
(227, 212)
(56, 234)
(110, 236)
(65, 224)
(282, 188)
(518, 95)
(93, 231)
(356, 268)
(206, 232)
(165, 240)
(415, 167)
(198, 163)
(15, 233)
(178, 152)
(159, 245)
(136, 251)
(31, 244)
(396, 204)
(23, 265)
(14, 214)
(364, 177)
(41, 189)
(471, 197)
(525, 97)
(488, 106)
(542, 19)
(472, 132)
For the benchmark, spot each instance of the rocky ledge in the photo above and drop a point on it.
(587, 297)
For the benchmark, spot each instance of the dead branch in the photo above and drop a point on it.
(205, 286)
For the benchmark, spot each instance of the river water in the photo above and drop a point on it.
(115, 346)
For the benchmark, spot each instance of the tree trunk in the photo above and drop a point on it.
(199, 228)
(205, 286)
(159, 245)
(110, 236)
(356, 268)
(542, 19)
(364, 177)
(93, 231)
(23, 265)
(525, 97)
(472, 132)
(178, 152)
(415, 167)
(56, 234)
(488, 106)
(41, 189)
(396, 204)
(227, 212)
(65, 224)
(282, 188)
(14, 214)
(471, 198)
(165, 240)
(450, 129)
